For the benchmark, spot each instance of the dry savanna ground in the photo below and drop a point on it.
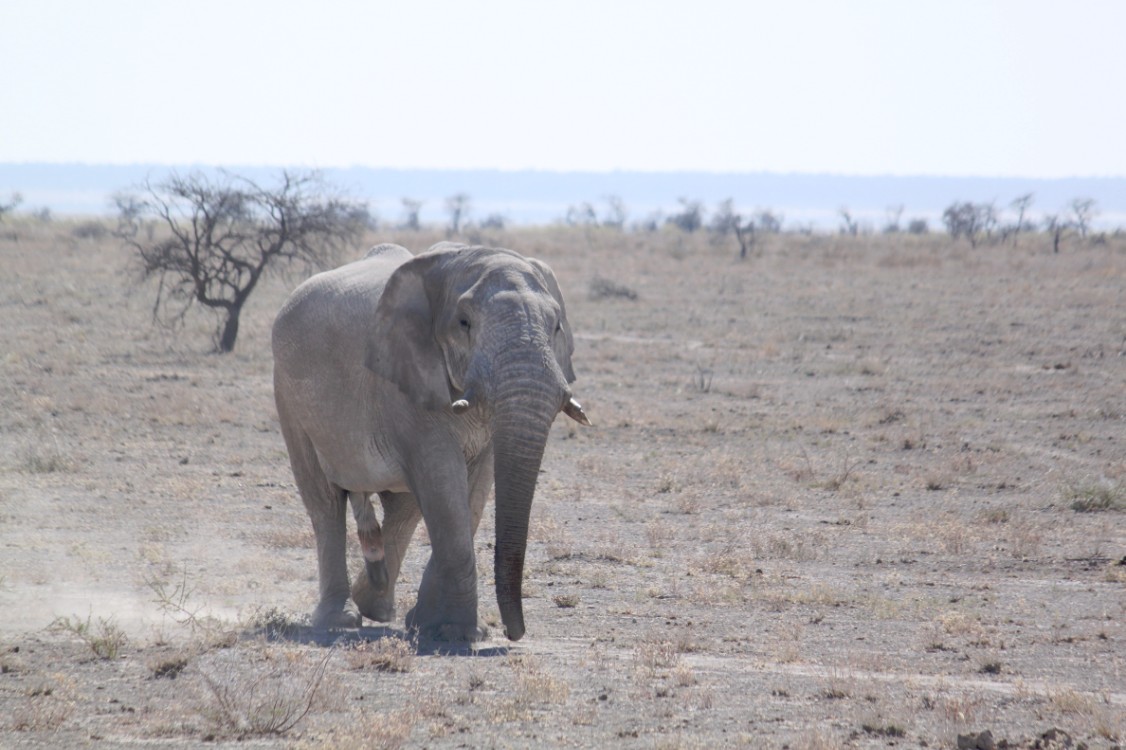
(848, 492)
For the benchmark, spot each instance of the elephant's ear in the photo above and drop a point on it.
(401, 347)
(564, 343)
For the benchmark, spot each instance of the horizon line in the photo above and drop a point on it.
(554, 171)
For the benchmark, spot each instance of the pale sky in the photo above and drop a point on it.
(911, 87)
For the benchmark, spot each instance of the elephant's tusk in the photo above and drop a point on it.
(575, 411)
(460, 406)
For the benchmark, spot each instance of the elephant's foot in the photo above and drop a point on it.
(445, 632)
(332, 617)
(377, 605)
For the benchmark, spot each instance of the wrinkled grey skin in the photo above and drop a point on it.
(420, 379)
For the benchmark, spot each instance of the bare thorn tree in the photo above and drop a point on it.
(849, 225)
(457, 206)
(1021, 204)
(11, 205)
(745, 233)
(411, 208)
(768, 221)
(970, 220)
(225, 232)
(690, 218)
(724, 219)
(581, 215)
(894, 216)
(1082, 212)
(616, 213)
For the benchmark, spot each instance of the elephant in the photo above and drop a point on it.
(422, 379)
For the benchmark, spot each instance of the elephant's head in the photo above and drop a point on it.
(484, 331)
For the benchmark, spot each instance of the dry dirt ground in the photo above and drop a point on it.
(848, 492)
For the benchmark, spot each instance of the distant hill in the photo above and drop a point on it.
(528, 197)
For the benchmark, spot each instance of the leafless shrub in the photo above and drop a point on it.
(838, 479)
(174, 599)
(246, 700)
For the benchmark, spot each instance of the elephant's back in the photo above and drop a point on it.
(334, 309)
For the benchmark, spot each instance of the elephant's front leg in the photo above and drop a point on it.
(447, 597)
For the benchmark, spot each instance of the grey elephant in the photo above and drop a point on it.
(420, 379)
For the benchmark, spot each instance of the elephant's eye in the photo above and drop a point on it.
(464, 323)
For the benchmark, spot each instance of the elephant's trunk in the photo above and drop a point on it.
(523, 411)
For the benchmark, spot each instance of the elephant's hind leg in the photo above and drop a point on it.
(400, 518)
(327, 509)
(371, 540)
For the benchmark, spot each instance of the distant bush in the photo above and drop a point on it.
(494, 221)
(918, 226)
(15, 200)
(690, 218)
(970, 220)
(603, 288)
(90, 230)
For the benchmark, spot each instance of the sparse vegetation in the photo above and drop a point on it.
(743, 537)
(1094, 497)
(104, 636)
(46, 457)
(384, 655)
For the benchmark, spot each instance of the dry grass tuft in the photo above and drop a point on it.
(385, 730)
(104, 637)
(533, 685)
(1097, 497)
(46, 457)
(45, 706)
(385, 655)
(602, 288)
(566, 601)
(656, 654)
